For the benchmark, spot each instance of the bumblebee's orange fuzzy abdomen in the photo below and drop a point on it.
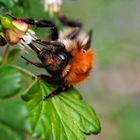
(81, 65)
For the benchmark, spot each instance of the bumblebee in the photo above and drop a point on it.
(66, 55)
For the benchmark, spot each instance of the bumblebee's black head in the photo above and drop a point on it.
(54, 61)
(54, 57)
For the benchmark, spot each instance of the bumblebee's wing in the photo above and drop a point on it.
(70, 33)
(67, 21)
(88, 41)
(85, 39)
(73, 34)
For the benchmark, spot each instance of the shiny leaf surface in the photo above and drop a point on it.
(63, 117)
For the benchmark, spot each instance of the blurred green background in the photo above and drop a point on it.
(113, 88)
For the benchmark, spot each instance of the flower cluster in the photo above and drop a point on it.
(15, 31)
(12, 30)
(52, 6)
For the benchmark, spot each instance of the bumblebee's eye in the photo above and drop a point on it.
(62, 59)
(62, 56)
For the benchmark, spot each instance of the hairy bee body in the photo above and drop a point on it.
(65, 55)
(80, 64)
(71, 64)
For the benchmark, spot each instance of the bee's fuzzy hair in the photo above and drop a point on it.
(82, 60)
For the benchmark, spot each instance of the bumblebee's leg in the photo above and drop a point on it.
(40, 65)
(50, 79)
(53, 29)
(56, 44)
(57, 91)
(41, 23)
(68, 22)
(45, 23)
(33, 47)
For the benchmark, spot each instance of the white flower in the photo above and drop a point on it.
(27, 39)
(52, 5)
(29, 36)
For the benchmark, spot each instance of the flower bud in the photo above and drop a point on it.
(6, 22)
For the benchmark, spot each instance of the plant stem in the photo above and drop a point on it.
(23, 71)
(5, 56)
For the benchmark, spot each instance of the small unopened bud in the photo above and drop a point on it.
(6, 22)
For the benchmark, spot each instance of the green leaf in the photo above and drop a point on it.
(3, 9)
(63, 117)
(17, 10)
(14, 7)
(8, 3)
(12, 120)
(13, 54)
(10, 81)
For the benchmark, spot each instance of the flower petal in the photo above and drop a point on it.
(12, 36)
(20, 25)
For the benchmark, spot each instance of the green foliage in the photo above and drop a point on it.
(12, 113)
(13, 54)
(12, 117)
(64, 117)
(8, 3)
(10, 81)
(15, 7)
